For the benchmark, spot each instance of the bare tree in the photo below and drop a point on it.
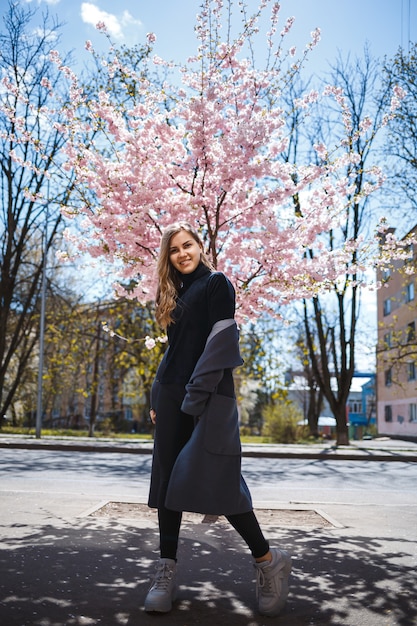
(331, 319)
(401, 145)
(31, 187)
(312, 395)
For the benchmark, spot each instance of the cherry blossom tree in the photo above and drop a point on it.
(208, 150)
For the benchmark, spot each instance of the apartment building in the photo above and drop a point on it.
(396, 386)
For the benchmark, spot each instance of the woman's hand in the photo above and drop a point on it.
(153, 416)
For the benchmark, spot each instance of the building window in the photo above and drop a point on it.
(388, 340)
(355, 406)
(128, 413)
(411, 367)
(388, 377)
(411, 331)
(387, 306)
(388, 413)
(410, 292)
(386, 273)
(412, 412)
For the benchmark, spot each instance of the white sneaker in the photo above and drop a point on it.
(163, 591)
(272, 583)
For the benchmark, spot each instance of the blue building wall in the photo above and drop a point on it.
(359, 421)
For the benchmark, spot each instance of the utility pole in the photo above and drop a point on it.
(39, 407)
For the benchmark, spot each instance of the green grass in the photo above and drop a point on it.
(66, 432)
(255, 439)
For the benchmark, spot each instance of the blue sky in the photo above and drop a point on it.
(345, 25)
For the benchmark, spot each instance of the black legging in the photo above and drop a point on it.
(246, 525)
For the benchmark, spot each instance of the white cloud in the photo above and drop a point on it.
(49, 35)
(92, 14)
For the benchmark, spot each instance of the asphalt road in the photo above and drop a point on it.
(279, 480)
(61, 567)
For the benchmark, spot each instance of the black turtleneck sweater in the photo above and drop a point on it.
(205, 298)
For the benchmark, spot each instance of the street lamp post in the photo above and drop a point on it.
(39, 408)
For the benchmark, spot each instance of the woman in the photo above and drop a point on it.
(196, 306)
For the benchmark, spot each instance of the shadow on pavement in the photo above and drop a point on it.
(83, 464)
(95, 572)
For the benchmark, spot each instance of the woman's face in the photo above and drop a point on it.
(184, 252)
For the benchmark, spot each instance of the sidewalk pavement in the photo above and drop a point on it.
(378, 449)
(64, 564)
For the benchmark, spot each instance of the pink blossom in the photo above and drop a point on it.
(315, 36)
(288, 25)
(55, 56)
(398, 95)
(45, 82)
(321, 150)
(366, 124)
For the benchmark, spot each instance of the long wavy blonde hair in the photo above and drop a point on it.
(169, 279)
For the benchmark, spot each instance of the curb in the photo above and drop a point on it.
(326, 455)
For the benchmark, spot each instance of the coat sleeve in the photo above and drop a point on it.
(198, 392)
(221, 352)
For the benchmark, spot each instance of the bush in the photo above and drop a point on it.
(281, 422)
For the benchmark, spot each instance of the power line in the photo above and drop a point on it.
(406, 19)
(409, 24)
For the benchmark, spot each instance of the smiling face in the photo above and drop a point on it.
(184, 252)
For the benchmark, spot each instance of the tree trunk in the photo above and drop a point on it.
(342, 429)
(313, 411)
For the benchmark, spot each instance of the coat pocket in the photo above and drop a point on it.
(221, 426)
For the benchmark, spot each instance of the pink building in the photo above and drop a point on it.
(396, 388)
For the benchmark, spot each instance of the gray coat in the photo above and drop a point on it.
(206, 477)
